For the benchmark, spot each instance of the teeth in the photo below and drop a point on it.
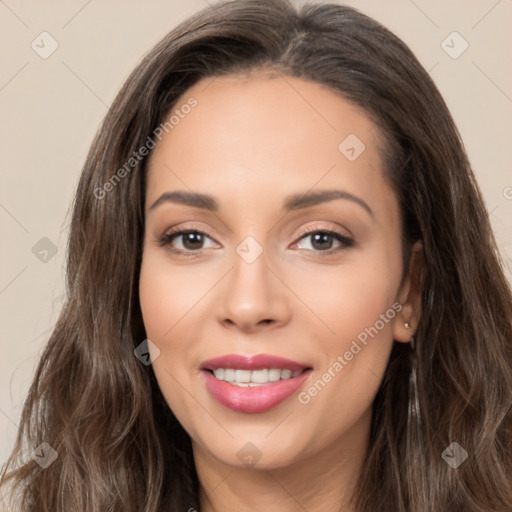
(242, 376)
(274, 375)
(259, 376)
(248, 378)
(286, 374)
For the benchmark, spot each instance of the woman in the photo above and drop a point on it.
(283, 288)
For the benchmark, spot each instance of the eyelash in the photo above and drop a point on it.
(167, 238)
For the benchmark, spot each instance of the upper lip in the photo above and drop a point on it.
(254, 362)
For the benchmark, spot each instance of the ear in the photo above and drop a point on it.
(409, 296)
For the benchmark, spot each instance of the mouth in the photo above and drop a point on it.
(253, 383)
(254, 378)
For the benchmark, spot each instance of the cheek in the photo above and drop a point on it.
(346, 299)
(170, 299)
(158, 302)
(168, 294)
(357, 304)
(157, 299)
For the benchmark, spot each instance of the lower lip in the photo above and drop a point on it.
(253, 399)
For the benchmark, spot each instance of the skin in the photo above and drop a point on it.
(250, 142)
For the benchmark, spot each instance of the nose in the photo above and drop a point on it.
(253, 297)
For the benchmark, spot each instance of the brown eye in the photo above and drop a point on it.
(191, 240)
(184, 241)
(323, 240)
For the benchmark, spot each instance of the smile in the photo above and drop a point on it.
(251, 384)
(248, 378)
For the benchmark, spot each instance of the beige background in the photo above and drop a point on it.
(51, 108)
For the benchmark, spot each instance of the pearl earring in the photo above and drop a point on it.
(407, 325)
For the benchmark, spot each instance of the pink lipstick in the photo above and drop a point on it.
(253, 383)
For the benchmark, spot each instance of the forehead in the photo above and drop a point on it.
(247, 133)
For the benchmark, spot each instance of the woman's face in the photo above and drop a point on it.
(277, 157)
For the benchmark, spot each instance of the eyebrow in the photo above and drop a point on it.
(292, 202)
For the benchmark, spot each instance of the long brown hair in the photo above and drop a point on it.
(119, 446)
